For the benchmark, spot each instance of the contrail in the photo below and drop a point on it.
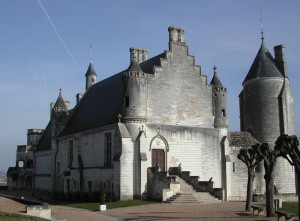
(55, 30)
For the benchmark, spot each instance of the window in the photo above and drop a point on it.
(107, 149)
(223, 113)
(233, 166)
(126, 101)
(70, 160)
(20, 163)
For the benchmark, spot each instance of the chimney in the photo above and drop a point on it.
(176, 35)
(139, 54)
(279, 52)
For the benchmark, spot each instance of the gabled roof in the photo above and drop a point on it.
(263, 65)
(91, 70)
(45, 141)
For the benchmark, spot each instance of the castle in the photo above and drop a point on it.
(159, 114)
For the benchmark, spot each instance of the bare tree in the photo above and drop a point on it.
(251, 157)
(288, 146)
(269, 156)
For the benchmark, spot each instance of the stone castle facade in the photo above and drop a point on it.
(162, 113)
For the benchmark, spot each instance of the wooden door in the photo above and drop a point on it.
(158, 157)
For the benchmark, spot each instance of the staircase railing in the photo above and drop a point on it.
(201, 186)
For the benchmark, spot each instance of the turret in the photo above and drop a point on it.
(135, 91)
(219, 101)
(59, 115)
(267, 108)
(90, 76)
(259, 100)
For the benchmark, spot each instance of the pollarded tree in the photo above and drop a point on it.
(251, 157)
(269, 156)
(288, 148)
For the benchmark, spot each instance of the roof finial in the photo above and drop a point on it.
(91, 48)
(120, 117)
(215, 69)
(261, 25)
(59, 91)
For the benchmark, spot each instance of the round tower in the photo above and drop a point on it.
(90, 76)
(260, 98)
(267, 110)
(219, 101)
(135, 92)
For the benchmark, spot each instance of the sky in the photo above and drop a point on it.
(45, 45)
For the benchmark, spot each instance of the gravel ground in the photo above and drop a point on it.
(215, 211)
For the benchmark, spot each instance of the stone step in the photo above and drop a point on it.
(189, 195)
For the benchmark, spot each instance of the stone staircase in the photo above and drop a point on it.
(188, 195)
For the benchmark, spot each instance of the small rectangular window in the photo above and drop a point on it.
(233, 166)
(223, 113)
(126, 101)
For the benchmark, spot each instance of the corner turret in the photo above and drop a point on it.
(135, 90)
(219, 101)
(59, 115)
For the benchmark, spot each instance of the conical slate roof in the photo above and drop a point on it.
(215, 81)
(134, 66)
(263, 65)
(91, 70)
(60, 102)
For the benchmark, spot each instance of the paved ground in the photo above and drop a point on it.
(216, 211)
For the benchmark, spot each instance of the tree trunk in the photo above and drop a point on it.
(251, 175)
(270, 196)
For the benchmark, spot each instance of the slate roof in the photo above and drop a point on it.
(98, 107)
(263, 65)
(103, 102)
(147, 66)
(241, 139)
(134, 66)
(45, 141)
(91, 70)
(215, 81)
(60, 102)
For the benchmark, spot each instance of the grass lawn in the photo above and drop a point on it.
(290, 207)
(110, 205)
(17, 217)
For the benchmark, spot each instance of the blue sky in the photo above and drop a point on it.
(45, 46)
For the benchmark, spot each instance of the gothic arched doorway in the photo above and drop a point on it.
(159, 148)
